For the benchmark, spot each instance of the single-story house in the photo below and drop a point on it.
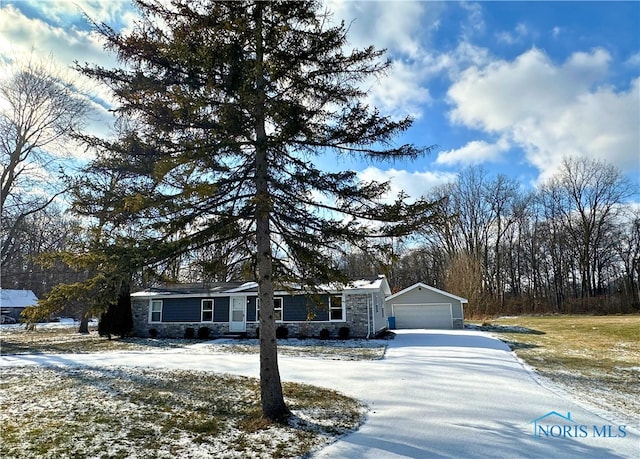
(233, 307)
(13, 302)
(423, 306)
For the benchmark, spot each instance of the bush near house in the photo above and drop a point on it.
(204, 332)
(282, 332)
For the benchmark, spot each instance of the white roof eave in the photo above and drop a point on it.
(428, 287)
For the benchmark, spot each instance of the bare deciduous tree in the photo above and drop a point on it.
(587, 194)
(39, 109)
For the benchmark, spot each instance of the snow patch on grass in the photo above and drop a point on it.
(155, 413)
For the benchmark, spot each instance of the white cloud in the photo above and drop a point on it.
(22, 36)
(550, 110)
(398, 27)
(399, 93)
(474, 152)
(62, 33)
(515, 36)
(402, 29)
(633, 61)
(415, 184)
(474, 21)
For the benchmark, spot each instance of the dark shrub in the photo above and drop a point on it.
(204, 332)
(282, 332)
(153, 333)
(343, 333)
(258, 332)
(189, 333)
(117, 319)
(324, 334)
(103, 327)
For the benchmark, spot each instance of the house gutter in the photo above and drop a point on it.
(369, 317)
(373, 315)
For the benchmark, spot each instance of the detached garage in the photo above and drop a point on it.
(423, 306)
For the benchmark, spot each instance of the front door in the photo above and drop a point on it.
(238, 314)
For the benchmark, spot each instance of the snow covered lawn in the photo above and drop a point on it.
(93, 411)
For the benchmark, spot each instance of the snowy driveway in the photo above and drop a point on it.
(437, 394)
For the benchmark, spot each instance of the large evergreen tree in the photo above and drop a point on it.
(228, 106)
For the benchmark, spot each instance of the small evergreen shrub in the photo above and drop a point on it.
(324, 334)
(258, 332)
(343, 333)
(153, 333)
(189, 333)
(204, 332)
(282, 332)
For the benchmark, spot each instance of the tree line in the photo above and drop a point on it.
(571, 245)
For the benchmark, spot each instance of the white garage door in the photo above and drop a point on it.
(423, 316)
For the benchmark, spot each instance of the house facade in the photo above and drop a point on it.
(234, 308)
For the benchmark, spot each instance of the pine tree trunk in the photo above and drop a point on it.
(273, 405)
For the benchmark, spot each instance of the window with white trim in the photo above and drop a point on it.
(206, 311)
(278, 309)
(155, 314)
(336, 310)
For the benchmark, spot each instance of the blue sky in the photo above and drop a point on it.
(510, 86)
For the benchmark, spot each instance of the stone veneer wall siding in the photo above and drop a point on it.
(140, 312)
(358, 314)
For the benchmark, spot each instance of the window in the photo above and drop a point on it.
(335, 308)
(156, 311)
(277, 309)
(207, 311)
(257, 309)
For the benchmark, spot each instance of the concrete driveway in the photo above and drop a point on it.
(437, 394)
(454, 394)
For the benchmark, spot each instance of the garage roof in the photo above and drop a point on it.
(428, 287)
(17, 298)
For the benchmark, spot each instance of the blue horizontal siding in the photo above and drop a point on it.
(221, 309)
(181, 310)
(251, 309)
(299, 308)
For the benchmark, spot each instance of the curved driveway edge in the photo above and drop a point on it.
(437, 394)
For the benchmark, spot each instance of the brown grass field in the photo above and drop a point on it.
(597, 358)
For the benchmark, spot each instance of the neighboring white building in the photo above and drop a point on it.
(13, 302)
